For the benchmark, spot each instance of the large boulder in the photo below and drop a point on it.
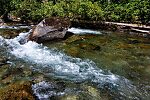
(49, 29)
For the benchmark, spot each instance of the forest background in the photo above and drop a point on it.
(129, 11)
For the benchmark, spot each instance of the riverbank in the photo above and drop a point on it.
(102, 25)
(112, 26)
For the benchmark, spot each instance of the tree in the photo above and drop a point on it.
(5, 8)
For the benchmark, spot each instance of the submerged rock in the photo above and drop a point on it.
(8, 34)
(3, 71)
(17, 91)
(90, 93)
(88, 46)
(9, 74)
(3, 61)
(50, 28)
(48, 90)
(78, 45)
(73, 51)
(70, 97)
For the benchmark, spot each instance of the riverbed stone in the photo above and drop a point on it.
(17, 91)
(3, 70)
(73, 51)
(50, 29)
(9, 34)
(38, 78)
(70, 97)
(88, 46)
(3, 60)
(75, 38)
(91, 93)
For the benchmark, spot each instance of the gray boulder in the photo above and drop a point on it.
(50, 29)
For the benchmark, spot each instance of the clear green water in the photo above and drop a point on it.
(123, 54)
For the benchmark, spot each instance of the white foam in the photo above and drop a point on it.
(62, 64)
(8, 27)
(83, 31)
(14, 27)
(44, 90)
(1, 40)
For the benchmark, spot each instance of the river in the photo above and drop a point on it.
(116, 66)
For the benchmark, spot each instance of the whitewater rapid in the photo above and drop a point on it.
(83, 31)
(62, 66)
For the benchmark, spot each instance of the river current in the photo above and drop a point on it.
(55, 63)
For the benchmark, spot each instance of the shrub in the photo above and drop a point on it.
(108, 10)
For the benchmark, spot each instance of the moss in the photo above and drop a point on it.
(17, 91)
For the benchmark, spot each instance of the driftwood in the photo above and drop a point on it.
(136, 26)
(141, 31)
(112, 26)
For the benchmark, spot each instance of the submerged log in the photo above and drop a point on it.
(50, 28)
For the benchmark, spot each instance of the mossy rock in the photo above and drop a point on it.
(9, 74)
(8, 34)
(17, 91)
(70, 97)
(136, 40)
(124, 46)
(12, 33)
(3, 70)
(91, 93)
(76, 38)
(144, 46)
(88, 46)
(3, 60)
(73, 51)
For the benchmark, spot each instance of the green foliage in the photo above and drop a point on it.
(90, 11)
(137, 11)
(44, 10)
(4, 6)
(25, 9)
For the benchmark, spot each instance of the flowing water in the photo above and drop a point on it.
(52, 62)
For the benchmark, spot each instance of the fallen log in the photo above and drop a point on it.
(141, 31)
(144, 27)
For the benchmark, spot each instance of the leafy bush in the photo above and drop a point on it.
(25, 8)
(135, 11)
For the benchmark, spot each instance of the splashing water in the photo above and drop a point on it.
(44, 90)
(14, 27)
(67, 67)
(83, 31)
